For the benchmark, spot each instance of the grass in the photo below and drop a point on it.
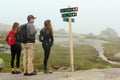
(85, 57)
(111, 49)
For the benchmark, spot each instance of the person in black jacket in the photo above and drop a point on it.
(47, 42)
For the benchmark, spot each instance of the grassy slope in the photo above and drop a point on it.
(85, 57)
(112, 49)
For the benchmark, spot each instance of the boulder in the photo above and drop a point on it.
(2, 64)
(117, 56)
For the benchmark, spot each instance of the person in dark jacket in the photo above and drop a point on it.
(47, 42)
(15, 51)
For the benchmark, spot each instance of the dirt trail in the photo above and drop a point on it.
(95, 74)
(98, 45)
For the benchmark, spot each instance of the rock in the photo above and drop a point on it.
(117, 56)
(2, 64)
(1, 45)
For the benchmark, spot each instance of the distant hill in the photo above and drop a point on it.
(4, 27)
(108, 33)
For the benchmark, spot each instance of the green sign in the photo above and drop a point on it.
(68, 9)
(67, 19)
(69, 15)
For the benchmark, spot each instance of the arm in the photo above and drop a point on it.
(52, 40)
(49, 37)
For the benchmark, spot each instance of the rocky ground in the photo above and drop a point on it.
(95, 74)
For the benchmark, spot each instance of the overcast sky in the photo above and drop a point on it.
(93, 15)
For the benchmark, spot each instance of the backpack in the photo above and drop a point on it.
(46, 36)
(22, 34)
(11, 38)
(41, 36)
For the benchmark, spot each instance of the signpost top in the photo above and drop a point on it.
(68, 9)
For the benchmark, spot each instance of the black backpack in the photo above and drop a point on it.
(41, 36)
(22, 34)
(45, 36)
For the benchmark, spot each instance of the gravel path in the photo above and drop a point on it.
(95, 74)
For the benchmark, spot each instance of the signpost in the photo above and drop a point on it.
(67, 13)
(68, 9)
(67, 19)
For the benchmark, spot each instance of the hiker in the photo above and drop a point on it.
(15, 48)
(29, 48)
(46, 37)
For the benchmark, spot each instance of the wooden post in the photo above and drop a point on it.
(71, 46)
(67, 13)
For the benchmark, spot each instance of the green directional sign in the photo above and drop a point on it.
(69, 14)
(68, 9)
(67, 19)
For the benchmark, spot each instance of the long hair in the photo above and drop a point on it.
(15, 26)
(47, 24)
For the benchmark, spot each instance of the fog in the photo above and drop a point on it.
(93, 15)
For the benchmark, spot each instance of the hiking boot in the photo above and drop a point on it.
(13, 72)
(18, 72)
(46, 71)
(31, 74)
(25, 74)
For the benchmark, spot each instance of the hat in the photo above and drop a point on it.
(31, 17)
